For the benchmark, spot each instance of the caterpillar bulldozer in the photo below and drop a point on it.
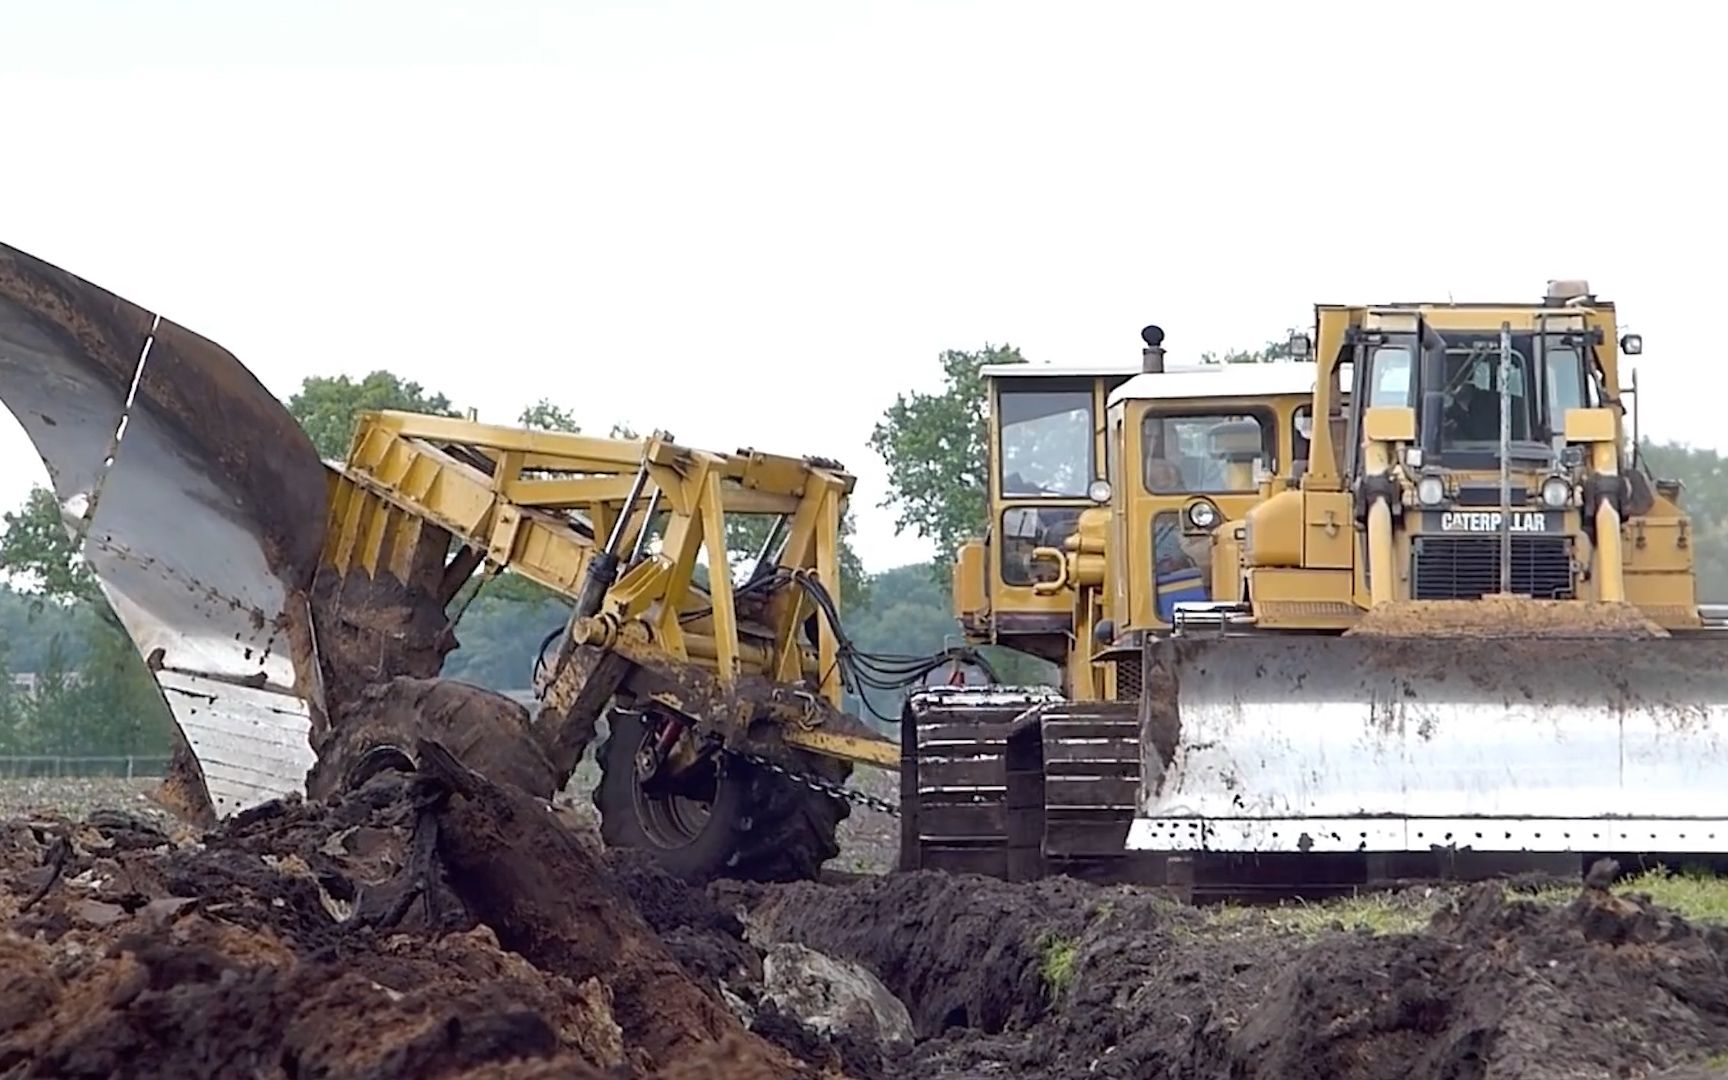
(1106, 486)
(1411, 605)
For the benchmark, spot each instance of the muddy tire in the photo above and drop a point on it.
(753, 824)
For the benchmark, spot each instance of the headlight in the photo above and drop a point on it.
(1556, 492)
(1099, 492)
(1430, 491)
(1202, 515)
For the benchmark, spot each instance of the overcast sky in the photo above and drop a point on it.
(753, 224)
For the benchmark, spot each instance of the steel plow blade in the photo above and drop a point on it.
(200, 504)
(1317, 743)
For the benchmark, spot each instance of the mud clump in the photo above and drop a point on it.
(486, 731)
(1063, 980)
(433, 925)
(960, 951)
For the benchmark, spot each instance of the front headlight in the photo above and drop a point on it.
(1099, 492)
(1203, 515)
(1430, 491)
(1556, 492)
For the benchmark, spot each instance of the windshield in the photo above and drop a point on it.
(1046, 442)
(1217, 452)
(1471, 397)
(1453, 381)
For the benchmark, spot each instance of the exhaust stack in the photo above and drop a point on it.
(1152, 356)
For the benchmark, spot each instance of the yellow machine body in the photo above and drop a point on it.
(1472, 623)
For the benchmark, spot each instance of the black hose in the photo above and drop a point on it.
(860, 671)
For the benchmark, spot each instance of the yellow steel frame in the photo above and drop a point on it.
(547, 503)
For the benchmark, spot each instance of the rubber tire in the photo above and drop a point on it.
(761, 827)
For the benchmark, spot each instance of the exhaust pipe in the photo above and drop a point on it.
(1152, 356)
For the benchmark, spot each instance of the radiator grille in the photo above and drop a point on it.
(1468, 567)
(1128, 680)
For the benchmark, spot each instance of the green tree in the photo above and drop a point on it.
(36, 544)
(936, 448)
(94, 695)
(1288, 349)
(327, 406)
(56, 717)
(1703, 475)
(14, 731)
(545, 416)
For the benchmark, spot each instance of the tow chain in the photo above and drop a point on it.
(825, 787)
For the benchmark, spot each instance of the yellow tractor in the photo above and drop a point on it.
(1470, 626)
(1106, 488)
(1411, 605)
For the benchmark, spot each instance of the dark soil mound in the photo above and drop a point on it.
(1063, 980)
(433, 926)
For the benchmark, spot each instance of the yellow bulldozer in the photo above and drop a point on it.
(1301, 612)
(1108, 485)
(1409, 604)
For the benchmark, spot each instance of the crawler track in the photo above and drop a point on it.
(1019, 784)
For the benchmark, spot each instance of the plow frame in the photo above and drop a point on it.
(551, 506)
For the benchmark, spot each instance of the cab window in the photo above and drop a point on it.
(1472, 397)
(1215, 452)
(1390, 376)
(1566, 386)
(1024, 529)
(1046, 442)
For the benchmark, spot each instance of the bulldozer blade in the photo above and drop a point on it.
(197, 502)
(1319, 743)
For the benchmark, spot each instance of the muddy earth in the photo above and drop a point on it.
(440, 925)
(1062, 980)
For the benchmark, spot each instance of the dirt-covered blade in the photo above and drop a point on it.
(204, 527)
(1349, 743)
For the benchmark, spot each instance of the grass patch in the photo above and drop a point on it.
(1695, 894)
(1405, 912)
(1375, 913)
(1057, 967)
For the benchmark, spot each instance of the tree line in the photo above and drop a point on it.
(93, 695)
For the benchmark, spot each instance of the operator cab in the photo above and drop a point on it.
(1467, 407)
(1211, 442)
(1445, 362)
(1047, 467)
(1047, 459)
